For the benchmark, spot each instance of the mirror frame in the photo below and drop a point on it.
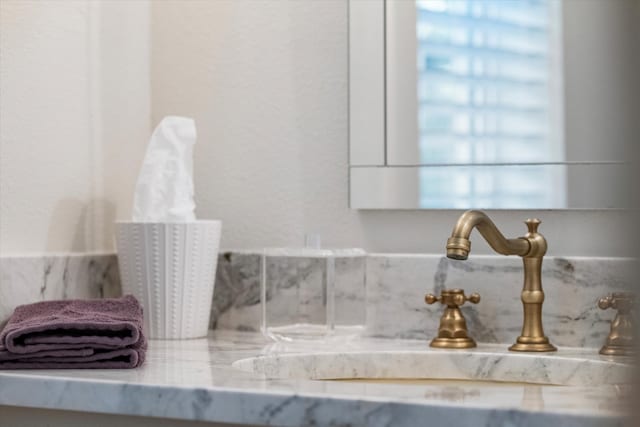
(377, 183)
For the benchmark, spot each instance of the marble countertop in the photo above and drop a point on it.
(195, 380)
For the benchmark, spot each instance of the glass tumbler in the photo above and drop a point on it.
(311, 293)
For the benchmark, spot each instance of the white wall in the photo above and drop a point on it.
(267, 84)
(74, 119)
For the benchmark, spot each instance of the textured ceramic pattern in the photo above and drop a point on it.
(170, 268)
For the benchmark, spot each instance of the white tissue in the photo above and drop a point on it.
(164, 191)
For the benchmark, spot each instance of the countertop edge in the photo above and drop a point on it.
(229, 405)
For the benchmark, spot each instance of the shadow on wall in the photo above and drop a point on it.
(93, 229)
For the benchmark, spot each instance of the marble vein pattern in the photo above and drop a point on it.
(396, 285)
(236, 295)
(197, 380)
(28, 279)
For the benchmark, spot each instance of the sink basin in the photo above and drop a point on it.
(487, 366)
(432, 382)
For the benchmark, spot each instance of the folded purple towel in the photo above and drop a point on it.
(101, 333)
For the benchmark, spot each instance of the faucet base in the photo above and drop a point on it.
(620, 341)
(533, 347)
(617, 350)
(453, 342)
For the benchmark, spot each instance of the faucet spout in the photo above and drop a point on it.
(458, 245)
(532, 248)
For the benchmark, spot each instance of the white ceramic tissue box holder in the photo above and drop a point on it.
(170, 268)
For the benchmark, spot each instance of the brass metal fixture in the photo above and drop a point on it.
(531, 247)
(452, 332)
(620, 339)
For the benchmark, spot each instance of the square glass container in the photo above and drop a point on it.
(310, 294)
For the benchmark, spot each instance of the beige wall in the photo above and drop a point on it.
(602, 88)
(74, 117)
(266, 82)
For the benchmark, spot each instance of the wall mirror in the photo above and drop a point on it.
(491, 104)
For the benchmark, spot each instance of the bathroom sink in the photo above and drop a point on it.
(491, 366)
(432, 382)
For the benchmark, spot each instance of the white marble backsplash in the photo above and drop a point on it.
(396, 285)
(393, 298)
(236, 295)
(28, 279)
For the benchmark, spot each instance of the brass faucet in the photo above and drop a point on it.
(620, 341)
(531, 247)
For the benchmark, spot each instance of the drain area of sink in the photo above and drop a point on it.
(433, 382)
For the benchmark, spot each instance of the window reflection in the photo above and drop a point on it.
(488, 79)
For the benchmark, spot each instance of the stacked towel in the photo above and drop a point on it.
(74, 334)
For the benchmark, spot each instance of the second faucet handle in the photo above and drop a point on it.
(621, 301)
(452, 298)
(620, 341)
(452, 332)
